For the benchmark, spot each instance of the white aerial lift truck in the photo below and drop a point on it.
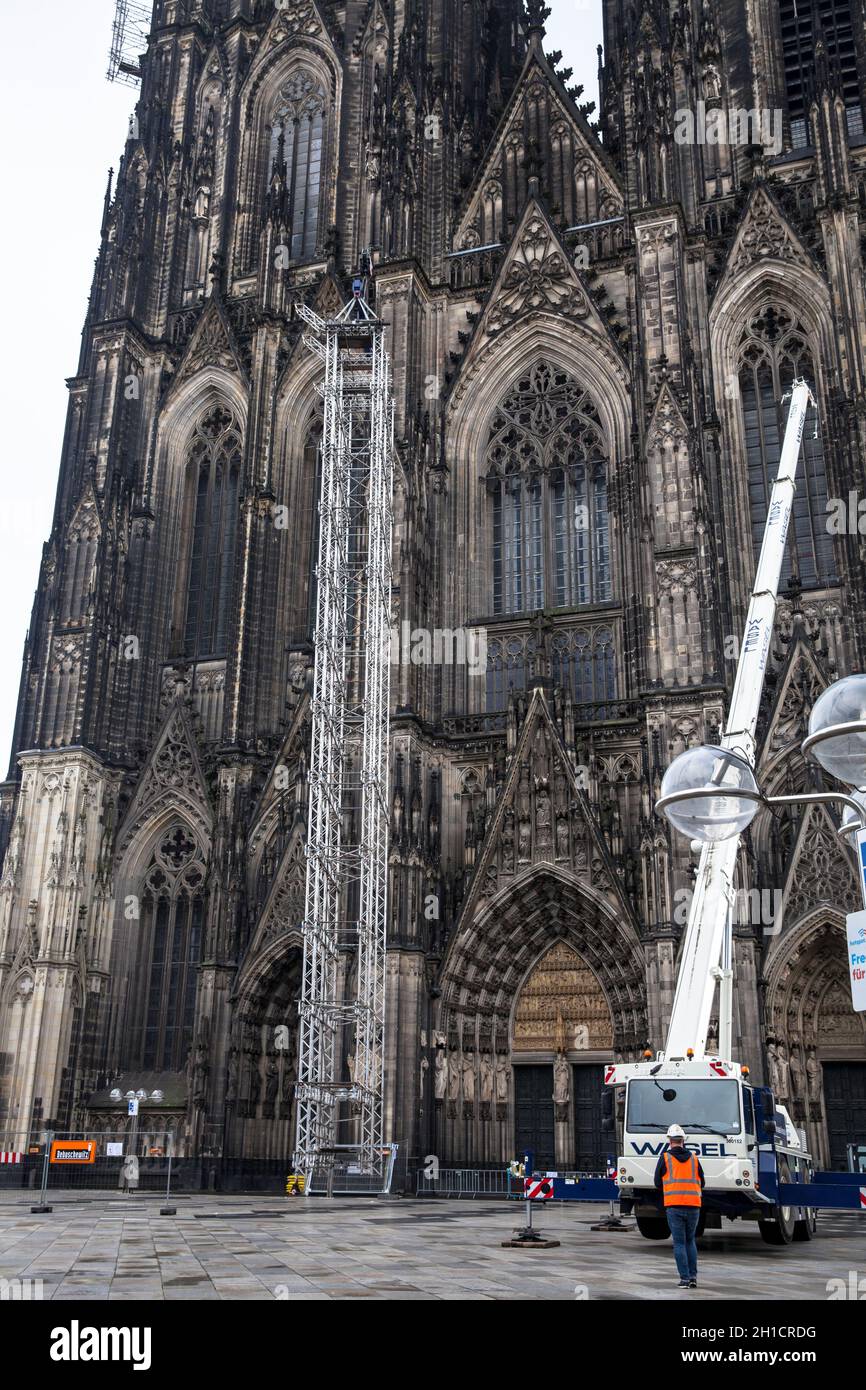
(754, 1159)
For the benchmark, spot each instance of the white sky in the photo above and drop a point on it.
(63, 126)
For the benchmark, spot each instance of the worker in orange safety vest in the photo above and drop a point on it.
(680, 1179)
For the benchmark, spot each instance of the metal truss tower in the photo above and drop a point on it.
(129, 34)
(347, 839)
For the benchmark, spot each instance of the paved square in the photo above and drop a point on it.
(220, 1247)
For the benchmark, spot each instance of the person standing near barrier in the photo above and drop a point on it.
(680, 1179)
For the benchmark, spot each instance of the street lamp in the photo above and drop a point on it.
(711, 794)
(837, 731)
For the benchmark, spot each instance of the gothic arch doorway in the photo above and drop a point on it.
(262, 1061)
(562, 1032)
(816, 1043)
(488, 966)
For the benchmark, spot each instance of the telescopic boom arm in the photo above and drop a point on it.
(713, 897)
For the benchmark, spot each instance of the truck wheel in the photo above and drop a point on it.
(780, 1229)
(806, 1227)
(653, 1227)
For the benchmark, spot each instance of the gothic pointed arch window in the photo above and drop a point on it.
(774, 349)
(297, 138)
(212, 503)
(547, 481)
(172, 913)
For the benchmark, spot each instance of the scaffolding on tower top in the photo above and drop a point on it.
(129, 34)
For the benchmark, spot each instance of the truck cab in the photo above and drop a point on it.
(746, 1144)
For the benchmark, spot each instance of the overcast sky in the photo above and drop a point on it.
(63, 125)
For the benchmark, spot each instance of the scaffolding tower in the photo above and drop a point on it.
(129, 34)
(347, 836)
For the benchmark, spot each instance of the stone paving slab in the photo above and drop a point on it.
(233, 1249)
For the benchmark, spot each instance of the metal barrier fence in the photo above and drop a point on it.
(341, 1178)
(479, 1182)
(468, 1182)
(857, 1158)
(147, 1160)
(82, 1162)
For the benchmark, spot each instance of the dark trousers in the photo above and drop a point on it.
(683, 1222)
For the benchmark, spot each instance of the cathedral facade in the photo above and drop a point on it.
(592, 318)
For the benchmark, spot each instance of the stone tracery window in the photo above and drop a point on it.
(296, 152)
(773, 351)
(213, 498)
(172, 905)
(546, 475)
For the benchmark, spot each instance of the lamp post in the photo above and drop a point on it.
(711, 794)
(134, 1099)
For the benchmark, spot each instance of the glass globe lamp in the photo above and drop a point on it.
(837, 731)
(709, 794)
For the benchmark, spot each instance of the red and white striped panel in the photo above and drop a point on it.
(863, 1198)
(10, 1157)
(537, 1189)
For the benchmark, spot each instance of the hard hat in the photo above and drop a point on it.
(676, 1132)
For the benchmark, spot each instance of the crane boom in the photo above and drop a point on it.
(713, 896)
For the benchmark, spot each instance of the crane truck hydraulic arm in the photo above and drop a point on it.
(754, 1159)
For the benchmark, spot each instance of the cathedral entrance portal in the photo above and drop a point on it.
(262, 1063)
(816, 1044)
(845, 1102)
(534, 1126)
(562, 1033)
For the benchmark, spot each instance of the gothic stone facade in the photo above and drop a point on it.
(591, 325)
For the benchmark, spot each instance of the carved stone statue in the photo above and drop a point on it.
(272, 1080)
(485, 1067)
(562, 836)
(440, 1073)
(425, 1067)
(561, 1080)
(502, 1072)
(523, 791)
(255, 1085)
(542, 818)
(797, 1075)
(783, 1090)
(469, 1077)
(454, 1070)
(523, 842)
(232, 1076)
(814, 1076)
(773, 1067)
(508, 840)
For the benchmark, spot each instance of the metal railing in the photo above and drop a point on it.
(343, 1178)
(857, 1158)
(468, 1182)
(80, 1161)
(483, 1182)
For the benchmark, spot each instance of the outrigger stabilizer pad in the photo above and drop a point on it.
(527, 1239)
(612, 1223)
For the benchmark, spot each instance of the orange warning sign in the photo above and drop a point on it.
(73, 1151)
